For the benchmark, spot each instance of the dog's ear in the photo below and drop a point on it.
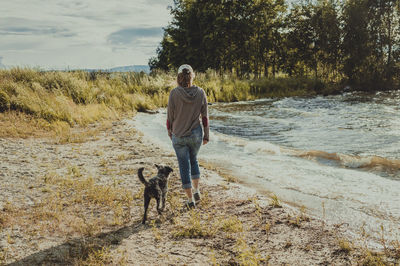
(169, 169)
(158, 167)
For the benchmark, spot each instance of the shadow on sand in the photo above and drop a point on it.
(78, 248)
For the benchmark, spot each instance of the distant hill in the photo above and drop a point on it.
(133, 68)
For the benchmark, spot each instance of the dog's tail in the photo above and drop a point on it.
(141, 177)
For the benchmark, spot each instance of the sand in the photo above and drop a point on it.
(232, 225)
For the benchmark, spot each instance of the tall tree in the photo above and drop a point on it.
(370, 36)
(227, 35)
(352, 41)
(300, 40)
(326, 25)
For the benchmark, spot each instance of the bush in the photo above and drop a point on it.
(4, 101)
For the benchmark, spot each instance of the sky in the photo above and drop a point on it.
(62, 34)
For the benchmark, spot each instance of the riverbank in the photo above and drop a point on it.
(82, 203)
(55, 101)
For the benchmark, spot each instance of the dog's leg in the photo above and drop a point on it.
(164, 196)
(158, 205)
(146, 207)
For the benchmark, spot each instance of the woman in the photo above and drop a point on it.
(186, 104)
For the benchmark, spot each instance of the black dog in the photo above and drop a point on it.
(156, 187)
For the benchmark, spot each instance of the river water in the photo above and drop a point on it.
(336, 155)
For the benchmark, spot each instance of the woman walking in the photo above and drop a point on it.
(187, 106)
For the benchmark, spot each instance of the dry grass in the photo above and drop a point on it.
(3, 255)
(55, 101)
(73, 204)
(213, 259)
(155, 230)
(369, 258)
(390, 254)
(200, 224)
(21, 125)
(298, 219)
(275, 202)
(96, 257)
(231, 225)
(247, 255)
(207, 225)
(345, 245)
(48, 98)
(63, 133)
(195, 227)
(175, 204)
(258, 209)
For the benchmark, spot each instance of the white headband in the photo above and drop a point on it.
(182, 67)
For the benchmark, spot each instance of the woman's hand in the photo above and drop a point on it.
(205, 141)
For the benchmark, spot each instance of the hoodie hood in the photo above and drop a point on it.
(188, 94)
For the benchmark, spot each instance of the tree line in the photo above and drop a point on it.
(352, 42)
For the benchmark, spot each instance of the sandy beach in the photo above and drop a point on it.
(82, 203)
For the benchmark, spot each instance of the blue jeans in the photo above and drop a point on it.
(186, 149)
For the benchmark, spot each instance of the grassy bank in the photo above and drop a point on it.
(79, 97)
(228, 88)
(33, 102)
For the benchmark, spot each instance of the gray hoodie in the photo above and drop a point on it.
(185, 106)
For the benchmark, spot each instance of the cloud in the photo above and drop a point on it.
(17, 45)
(18, 26)
(72, 4)
(81, 33)
(12, 30)
(132, 35)
(161, 2)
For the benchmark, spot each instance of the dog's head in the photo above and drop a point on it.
(164, 170)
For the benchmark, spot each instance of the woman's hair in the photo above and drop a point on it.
(185, 78)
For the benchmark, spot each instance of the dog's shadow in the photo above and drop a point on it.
(79, 248)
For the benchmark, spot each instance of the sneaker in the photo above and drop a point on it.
(190, 205)
(197, 196)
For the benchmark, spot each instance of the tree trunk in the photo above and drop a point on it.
(266, 67)
(273, 64)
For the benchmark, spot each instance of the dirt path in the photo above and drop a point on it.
(81, 203)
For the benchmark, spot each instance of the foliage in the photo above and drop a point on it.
(370, 50)
(343, 42)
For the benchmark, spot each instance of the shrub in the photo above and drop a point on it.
(4, 101)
